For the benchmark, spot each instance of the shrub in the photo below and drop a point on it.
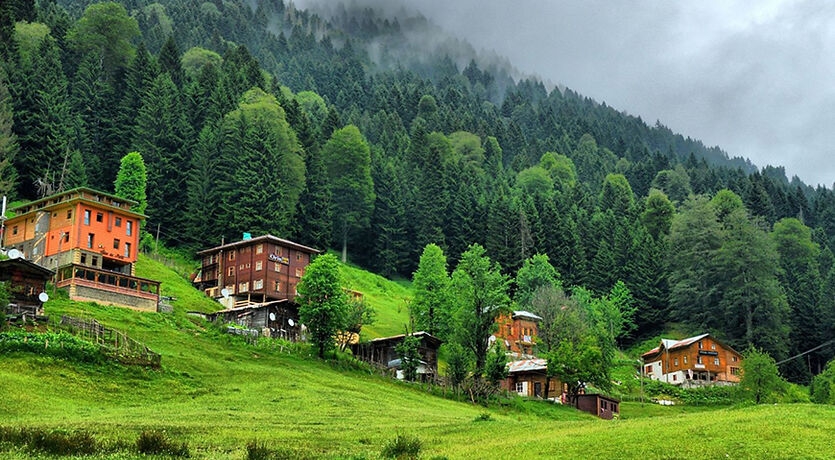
(53, 442)
(157, 442)
(257, 451)
(402, 447)
(483, 417)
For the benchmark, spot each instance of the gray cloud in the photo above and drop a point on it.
(755, 78)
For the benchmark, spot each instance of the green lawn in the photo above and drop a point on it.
(218, 393)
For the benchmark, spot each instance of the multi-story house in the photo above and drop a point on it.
(517, 331)
(253, 270)
(91, 239)
(693, 361)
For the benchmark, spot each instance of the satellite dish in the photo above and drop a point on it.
(272, 316)
(14, 254)
(224, 292)
(43, 296)
(291, 322)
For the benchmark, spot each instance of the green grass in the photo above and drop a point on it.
(218, 394)
(389, 299)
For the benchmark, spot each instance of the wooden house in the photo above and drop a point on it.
(382, 352)
(90, 239)
(527, 378)
(517, 332)
(278, 319)
(599, 405)
(26, 282)
(693, 361)
(253, 270)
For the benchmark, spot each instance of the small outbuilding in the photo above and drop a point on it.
(382, 352)
(27, 283)
(278, 319)
(599, 405)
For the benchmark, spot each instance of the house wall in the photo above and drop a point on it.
(528, 384)
(261, 270)
(704, 356)
(520, 333)
(43, 234)
(85, 293)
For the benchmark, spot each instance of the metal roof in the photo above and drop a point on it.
(257, 239)
(670, 344)
(527, 365)
(526, 314)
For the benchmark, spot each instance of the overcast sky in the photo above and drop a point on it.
(755, 78)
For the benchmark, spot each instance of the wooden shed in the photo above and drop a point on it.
(279, 319)
(382, 352)
(26, 281)
(599, 405)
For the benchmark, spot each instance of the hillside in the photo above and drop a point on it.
(343, 129)
(217, 394)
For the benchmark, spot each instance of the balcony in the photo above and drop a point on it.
(108, 286)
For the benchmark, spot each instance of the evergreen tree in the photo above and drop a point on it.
(431, 306)
(8, 140)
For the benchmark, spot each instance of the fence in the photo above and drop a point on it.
(112, 342)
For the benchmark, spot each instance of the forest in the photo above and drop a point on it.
(344, 128)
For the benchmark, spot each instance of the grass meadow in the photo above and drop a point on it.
(217, 394)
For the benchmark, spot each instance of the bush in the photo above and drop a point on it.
(157, 442)
(402, 447)
(53, 442)
(60, 345)
(257, 451)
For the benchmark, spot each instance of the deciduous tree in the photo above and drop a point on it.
(323, 305)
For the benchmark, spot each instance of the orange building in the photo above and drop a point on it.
(693, 361)
(253, 270)
(90, 239)
(518, 332)
(528, 378)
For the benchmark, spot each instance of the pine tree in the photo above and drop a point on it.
(131, 181)
(8, 140)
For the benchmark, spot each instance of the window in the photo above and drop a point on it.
(277, 267)
(734, 358)
(241, 267)
(298, 273)
(259, 264)
(258, 284)
(86, 217)
(127, 249)
(712, 346)
(84, 259)
(298, 256)
(95, 261)
(243, 287)
(14, 230)
(118, 222)
(231, 271)
(685, 359)
(232, 255)
(99, 217)
(259, 249)
(69, 214)
(277, 286)
(699, 359)
(675, 377)
(90, 239)
(115, 243)
(648, 370)
(248, 265)
(129, 227)
(66, 236)
(716, 361)
(675, 362)
(735, 371)
(700, 345)
(520, 387)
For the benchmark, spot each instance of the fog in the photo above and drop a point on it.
(754, 78)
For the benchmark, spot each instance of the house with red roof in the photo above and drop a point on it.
(694, 361)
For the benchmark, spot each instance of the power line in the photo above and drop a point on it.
(806, 352)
